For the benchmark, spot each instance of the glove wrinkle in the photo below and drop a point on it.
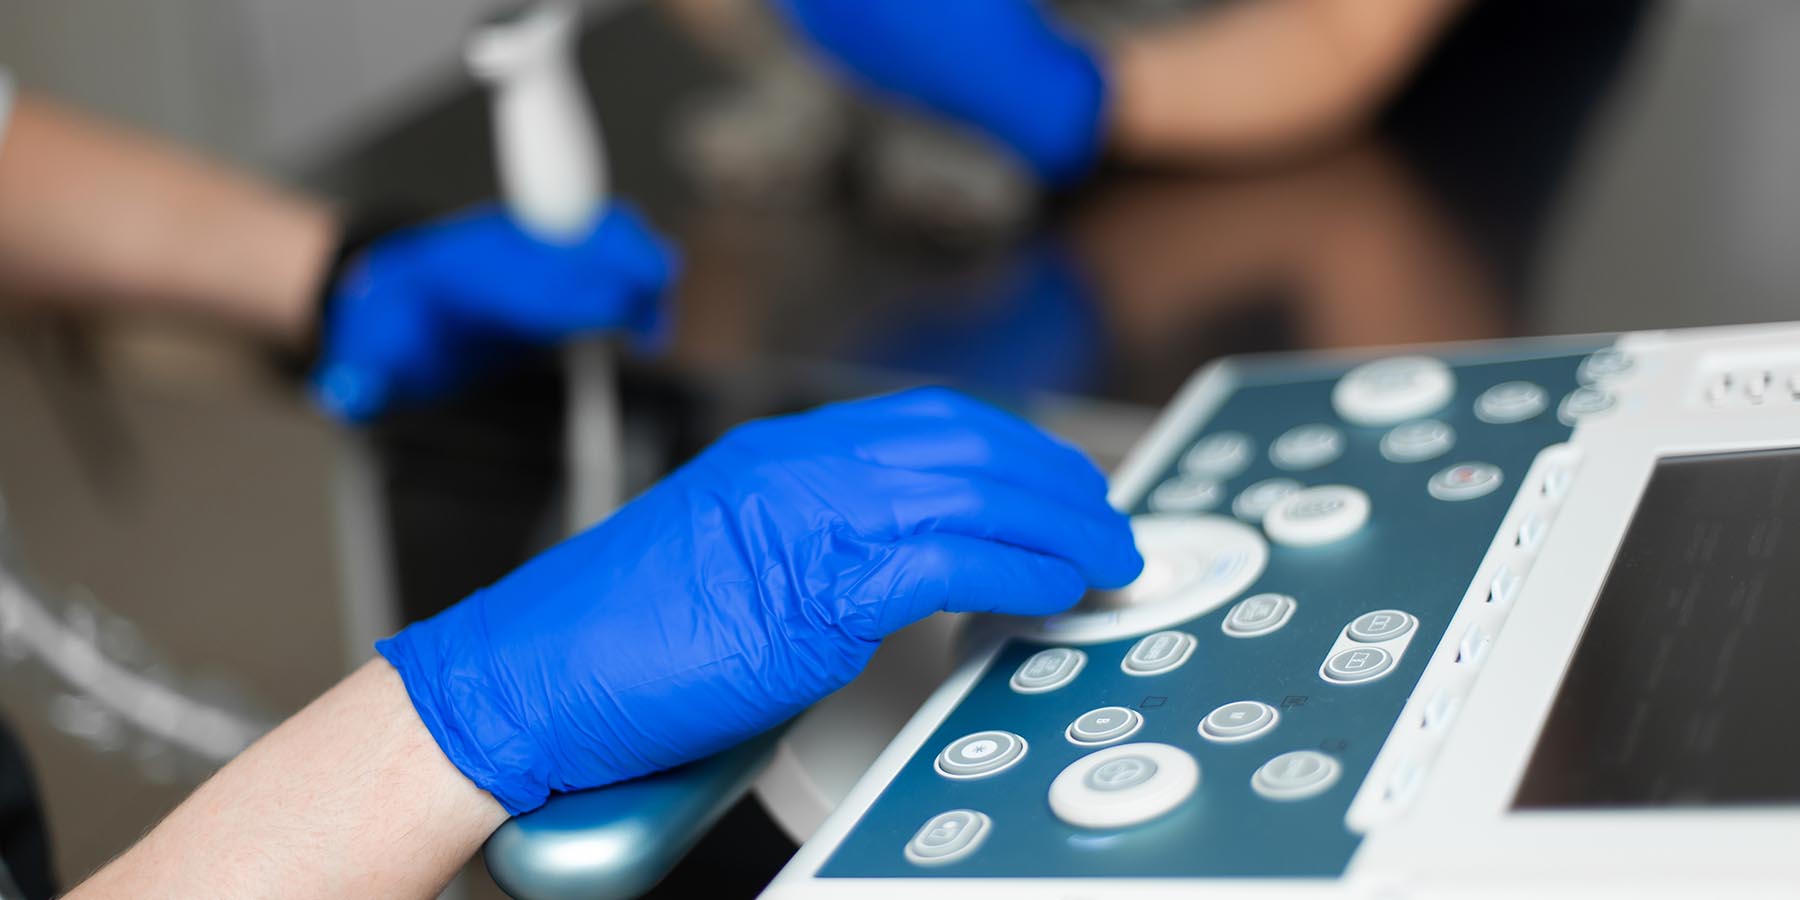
(754, 581)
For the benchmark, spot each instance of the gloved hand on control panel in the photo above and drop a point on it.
(420, 309)
(751, 583)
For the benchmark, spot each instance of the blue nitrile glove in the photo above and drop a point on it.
(752, 582)
(422, 308)
(998, 65)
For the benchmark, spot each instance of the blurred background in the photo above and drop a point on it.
(193, 552)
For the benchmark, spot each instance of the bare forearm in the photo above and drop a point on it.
(1264, 78)
(94, 214)
(350, 798)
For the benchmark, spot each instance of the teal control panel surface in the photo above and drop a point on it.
(1343, 511)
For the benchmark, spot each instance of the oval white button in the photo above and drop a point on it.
(1123, 785)
(1317, 516)
(1390, 391)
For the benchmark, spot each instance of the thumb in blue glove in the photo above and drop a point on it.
(751, 583)
(422, 309)
(997, 65)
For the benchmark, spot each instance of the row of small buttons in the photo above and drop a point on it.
(1154, 654)
(1119, 787)
(1444, 689)
(1752, 388)
(1223, 455)
(986, 753)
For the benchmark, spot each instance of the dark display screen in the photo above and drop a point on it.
(1685, 689)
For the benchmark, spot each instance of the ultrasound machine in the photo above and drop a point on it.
(1455, 621)
(1467, 620)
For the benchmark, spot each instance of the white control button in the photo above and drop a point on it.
(1556, 482)
(1509, 402)
(1317, 515)
(1389, 391)
(1531, 532)
(1048, 670)
(1218, 456)
(1186, 494)
(1716, 393)
(1258, 615)
(948, 836)
(1296, 775)
(1603, 365)
(1123, 785)
(1103, 726)
(980, 754)
(1417, 441)
(1440, 711)
(1757, 386)
(1306, 447)
(1403, 784)
(1504, 586)
(1380, 625)
(1254, 502)
(1161, 652)
(1237, 722)
(1465, 481)
(1583, 403)
(1357, 665)
(1473, 647)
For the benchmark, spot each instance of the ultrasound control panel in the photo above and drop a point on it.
(1335, 553)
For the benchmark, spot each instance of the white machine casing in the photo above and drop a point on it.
(1436, 811)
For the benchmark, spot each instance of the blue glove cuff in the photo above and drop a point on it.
(455, 700)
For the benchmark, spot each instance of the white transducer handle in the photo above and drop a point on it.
(553, 176)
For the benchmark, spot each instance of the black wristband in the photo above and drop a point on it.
(359, 231)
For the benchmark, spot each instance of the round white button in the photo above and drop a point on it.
(1237, 722)
(1582, 403)
(1465, 481)
(1161, 652)
(1380, 625)
(1389, 391)
(1306, 447)
(1047, 670)
(1186, 494)
(980, 754)
(1192, 565)
(1103, 726)
(1123, 785)
(1417, 441)
(1604, 365)
(1258, 615)
(1296, 775)
(1509, 402)
(1219, 455)
(1357, 664)
(1317, 515)
(948, 836)
(1254, 502)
